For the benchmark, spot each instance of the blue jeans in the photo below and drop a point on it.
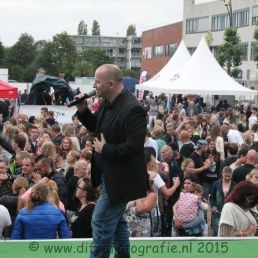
(109, 228)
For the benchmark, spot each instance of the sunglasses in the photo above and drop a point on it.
(81, 188)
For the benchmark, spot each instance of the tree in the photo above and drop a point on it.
(90, 60)
(20, 56)
(2, 55)
(230, 53)
(82, 28)
(256, 45)
(131, 30)
(95, 30)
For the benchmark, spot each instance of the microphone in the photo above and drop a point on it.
(85, 96)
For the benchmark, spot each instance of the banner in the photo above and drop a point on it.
(151, 248)
(62, 114)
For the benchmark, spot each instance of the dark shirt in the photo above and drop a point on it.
(241, 172)
(81, 226)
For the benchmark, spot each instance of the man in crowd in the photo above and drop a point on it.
(118, 159)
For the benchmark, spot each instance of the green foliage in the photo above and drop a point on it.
(20, 56)
(131, 73)
(82, 28)
(256, 46)
(230, 53)
(90, 60)
(2, 55)
(95, 30)
(131, 30)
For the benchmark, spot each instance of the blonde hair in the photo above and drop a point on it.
(39, 194)
(48, 149)
(75, 155)
(21, 185)
(253, 173)
(185, 163)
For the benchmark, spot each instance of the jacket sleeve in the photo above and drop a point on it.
(63, 230)
(6, 145)
(17, 231)
(87, 119)
(135, 130)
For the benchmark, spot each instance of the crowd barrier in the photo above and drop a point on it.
(144, 247)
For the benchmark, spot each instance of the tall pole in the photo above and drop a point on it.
(228, 5)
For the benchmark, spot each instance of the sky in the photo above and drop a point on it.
(43, 19)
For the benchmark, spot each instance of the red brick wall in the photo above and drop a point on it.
(165, 35)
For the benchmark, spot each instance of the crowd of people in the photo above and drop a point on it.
(201, 180)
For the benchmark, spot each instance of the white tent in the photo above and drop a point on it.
(170, 70)
(202, 75)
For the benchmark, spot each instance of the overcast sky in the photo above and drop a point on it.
(44, 18)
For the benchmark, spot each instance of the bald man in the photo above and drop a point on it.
(241, 172)
(118, 166)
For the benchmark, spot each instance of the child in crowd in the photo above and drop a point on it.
(189, 213)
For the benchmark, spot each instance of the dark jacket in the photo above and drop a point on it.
(217, 195)
(61, 185)
(123, 124)
(44, 221)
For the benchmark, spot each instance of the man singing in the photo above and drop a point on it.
(117, 161)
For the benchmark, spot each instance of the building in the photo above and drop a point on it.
(213, 17)
(158, 45)
(125, 50)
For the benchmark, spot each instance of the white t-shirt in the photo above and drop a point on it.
(251, 121)
(234, 136)
(157, 184)
(236, 217)
(5, 219)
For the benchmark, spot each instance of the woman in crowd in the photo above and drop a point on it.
(236, 218)
(80, 171)
(219, 191)
(212, 173)
(40, 219)
(81, 221)
(13, 202)
(218, 139)
(70, 132)
(66, 146)
(48, 149)
(243, 124)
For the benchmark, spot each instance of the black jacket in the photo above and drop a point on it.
(123, 123)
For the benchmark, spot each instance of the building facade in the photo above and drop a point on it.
(213, 18)
(126, 51)
(158, 45)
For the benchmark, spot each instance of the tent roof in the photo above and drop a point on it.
(203, 75)
(176, 62)
(7, 91)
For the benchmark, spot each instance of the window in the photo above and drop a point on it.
(219, 22)
(197, 25)
(158, 51)
(244, 50)
(241, 18)
(254, 15)
(254, 46)
(171, 49)
(147, 53)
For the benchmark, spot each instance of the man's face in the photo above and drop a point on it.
(170, 129)
(102, 83)
(27, 167)
(165, 154)
(34, 134)
(3, 168)
(43, 169)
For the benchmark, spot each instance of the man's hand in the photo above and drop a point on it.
(98, 144)
(82, 105)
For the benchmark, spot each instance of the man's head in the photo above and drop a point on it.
(27, 166)
(201, 145)
(3, 167)
(44, 165)
(166, 153)
(108, 81)
(251, 157)
(33, 132)
(170, 129)
(18, 143)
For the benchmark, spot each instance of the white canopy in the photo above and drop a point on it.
(170, 70)
(202, 75)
